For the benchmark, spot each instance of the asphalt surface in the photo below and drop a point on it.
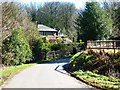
(47, 75)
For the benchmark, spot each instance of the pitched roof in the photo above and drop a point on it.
(45, 28)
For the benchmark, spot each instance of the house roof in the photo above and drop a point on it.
(45, 28)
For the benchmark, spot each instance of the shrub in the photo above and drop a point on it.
(59, 40)
(77, 61)
(45, 39)
(57, 46)
(16, 49)
(67, 40)
(37, 48)
(45, 50)
(67, 46)
(99, 62)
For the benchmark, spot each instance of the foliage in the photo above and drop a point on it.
(10, 21)
(31, 33)
(105, 82)
(59, 40)
(45, 40)
(37, 48)
(114, 9)
(93, 23)
(66, 40)
(46, 48)
(57, 46)
(98, 62)
(63, 49)
(55, 15)
(16, 49)
(14, 15)
(40, 48)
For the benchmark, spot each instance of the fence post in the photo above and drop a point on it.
(114, 46)
(100, 45)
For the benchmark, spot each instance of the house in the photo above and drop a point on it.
(51, 33)
(47, 31)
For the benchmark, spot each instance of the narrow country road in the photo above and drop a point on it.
(47, 75)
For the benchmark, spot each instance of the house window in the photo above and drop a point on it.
(44, 33)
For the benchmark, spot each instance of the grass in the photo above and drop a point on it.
(9, 71)
(105, 82)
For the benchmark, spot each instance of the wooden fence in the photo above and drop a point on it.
(104, 44)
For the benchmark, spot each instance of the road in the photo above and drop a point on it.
(47, 75)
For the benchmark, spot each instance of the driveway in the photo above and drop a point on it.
(47, 75)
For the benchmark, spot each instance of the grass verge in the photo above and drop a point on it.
(100, 81)
(9, 71)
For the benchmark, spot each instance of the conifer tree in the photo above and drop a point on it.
(93, 23)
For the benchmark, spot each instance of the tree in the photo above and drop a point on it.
(10, 13)
(93, 23)
(114, 9)
(14, 16)
(56, 15)
(37, 48)
(16, 49)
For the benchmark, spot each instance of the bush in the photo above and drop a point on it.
(59, 40)
(16, 49)
(77, 61)
(40, 48)
(57, 46)
(66, 40)
(37, 48)
(99, 62)
(45, 39)
(45, 50)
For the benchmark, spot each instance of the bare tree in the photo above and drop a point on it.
(56, 15)
(14, 15)
(114, 9)
(10, 14)
(0, 34)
